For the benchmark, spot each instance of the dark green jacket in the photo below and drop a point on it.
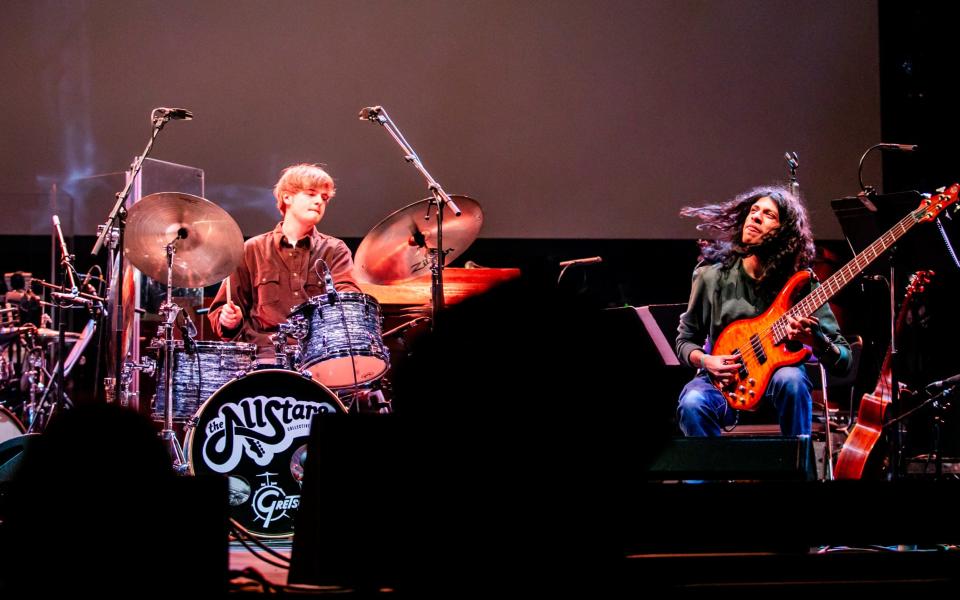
(721, 296)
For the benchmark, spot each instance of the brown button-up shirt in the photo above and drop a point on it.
(274, 277)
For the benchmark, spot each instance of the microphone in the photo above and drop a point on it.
(63, 243)
(792, 160)
(65, 254)
(174, 113)
(327, 279)
(899, 147)
(188, 331)
(370, 113)
(938, 386)
(581, 261)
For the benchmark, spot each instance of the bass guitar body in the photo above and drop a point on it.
(755, 342)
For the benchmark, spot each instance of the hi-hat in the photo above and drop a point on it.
(398, 247)
(211, 248)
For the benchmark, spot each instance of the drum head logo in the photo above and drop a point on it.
(259, 427)
(271, 503)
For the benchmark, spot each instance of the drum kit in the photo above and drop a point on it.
(29, 391)
(244, 418)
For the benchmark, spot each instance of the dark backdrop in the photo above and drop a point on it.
(572, 119)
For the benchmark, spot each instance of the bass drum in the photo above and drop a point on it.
(254, 430)
(10, 425)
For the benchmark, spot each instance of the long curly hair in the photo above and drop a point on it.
(782, 252)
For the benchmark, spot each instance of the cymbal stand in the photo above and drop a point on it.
(378, 114)
(36, 377)
(170, 310)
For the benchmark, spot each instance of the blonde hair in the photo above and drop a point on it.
(297, 178)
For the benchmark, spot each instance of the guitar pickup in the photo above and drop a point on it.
(743, 372)
(758, 348)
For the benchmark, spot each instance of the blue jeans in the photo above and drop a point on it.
(703, 411)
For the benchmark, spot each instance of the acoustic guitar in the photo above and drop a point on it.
(873, 407)
(760, 342)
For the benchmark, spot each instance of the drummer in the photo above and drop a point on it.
(280, 268)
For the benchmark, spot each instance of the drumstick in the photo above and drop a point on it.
(227, 283)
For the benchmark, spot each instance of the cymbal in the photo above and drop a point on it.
(53, 335)
(211, 248)
(398, 247)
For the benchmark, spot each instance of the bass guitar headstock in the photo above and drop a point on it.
(931, 207)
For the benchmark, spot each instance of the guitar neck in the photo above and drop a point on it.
(836, 282)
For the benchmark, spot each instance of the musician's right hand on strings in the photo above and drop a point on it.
(230, 316)
(722, 368)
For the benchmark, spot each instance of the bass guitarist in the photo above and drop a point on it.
(762, 238)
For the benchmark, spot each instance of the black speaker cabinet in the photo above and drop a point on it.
(763, 458)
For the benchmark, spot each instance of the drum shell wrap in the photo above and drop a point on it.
(343, 345)
(197, 375)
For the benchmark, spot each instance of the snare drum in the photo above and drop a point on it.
(197, 375)
(255, 430)
(342, 345)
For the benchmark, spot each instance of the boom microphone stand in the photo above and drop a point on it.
(377, 114)
(113, 228)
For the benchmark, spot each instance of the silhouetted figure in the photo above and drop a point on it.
(95, 508)
(513, 458)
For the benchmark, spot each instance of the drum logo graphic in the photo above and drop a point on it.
(259, 427)
(270, 502)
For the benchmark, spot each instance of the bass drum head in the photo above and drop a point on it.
(254, 430)
(10, 425)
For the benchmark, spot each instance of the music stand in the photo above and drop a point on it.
(864, 219)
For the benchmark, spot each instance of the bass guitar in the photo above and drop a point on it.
(760, 342)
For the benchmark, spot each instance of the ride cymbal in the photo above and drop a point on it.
(398, 247)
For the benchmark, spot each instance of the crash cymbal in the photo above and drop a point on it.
(211, 248)
(398, 247)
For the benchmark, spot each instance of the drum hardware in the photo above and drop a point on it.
(40, 408)
(400, 330)
(39, 412)
(147, 366)
(288, 355)
(402, 226)
(33, 381)
(170, 311)
(201, 244)
(113, 229)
